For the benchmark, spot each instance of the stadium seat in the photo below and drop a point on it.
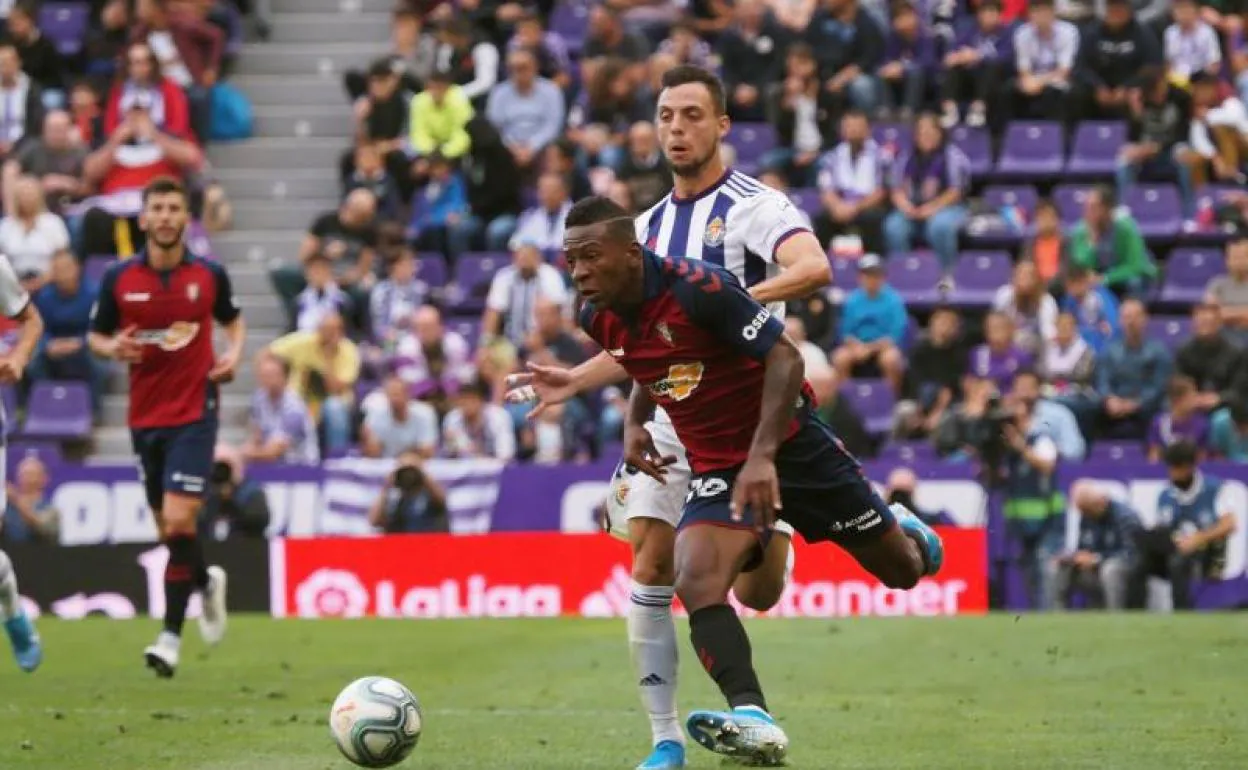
(977, 145)
(995, 231)
(1188, 272)
(844, 275)
(1069, 199)
(95, 266)
(752, 140)
(65, 24)
(1171, 331)
(1031, 149)
(58, 410)
(893, 138)
(977, 275)
(1094, 151)
(1024, 196)
(916, 277)
(431, 268)
(570, 21)
(806, 199)
(873, 400)
(1157, 209)
(1116, 452)
(468, 328)
(1212, 196)
(474, 271)
(907, 452)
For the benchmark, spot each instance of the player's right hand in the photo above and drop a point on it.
(126, 348)
(10, 370)
(547, 385)
(641, 453)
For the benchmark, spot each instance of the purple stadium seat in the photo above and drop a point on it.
(806, 199)
(752, 140)
(893, 138)
(916, 277)
(1156, 208)
(1069, 199)
(873, 400)
(844, 274)
(977, 276)
(474, 271)
(468, 328)
(1171, 331)
(570, 20)
(8, 396)
(58, 410)
(907, 452)
(431, 268)
(1032, 149)
(1094, 151)
(65, 24)
(1188, 272)
(1116, 452)
(977, 145)
(95, 266)
(1024, 196)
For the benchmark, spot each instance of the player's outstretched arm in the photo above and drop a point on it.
(806, 270)
(550, 385)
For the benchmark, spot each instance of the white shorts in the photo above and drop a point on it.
(637, 496)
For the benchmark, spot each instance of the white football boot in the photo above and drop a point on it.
(213, 616)
(162, 657)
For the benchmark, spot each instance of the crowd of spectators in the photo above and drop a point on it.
(488, 119)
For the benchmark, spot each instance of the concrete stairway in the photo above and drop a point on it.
(285, 176)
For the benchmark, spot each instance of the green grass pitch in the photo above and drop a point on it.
(1069, 691)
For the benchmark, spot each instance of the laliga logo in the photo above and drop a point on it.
(331, 593)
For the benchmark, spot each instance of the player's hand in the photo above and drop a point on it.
(547, 385)
(126, 348)
(641, 453)
(223, 371)
(757, 487)
(11, 370)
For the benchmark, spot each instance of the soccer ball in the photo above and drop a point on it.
(375, 722)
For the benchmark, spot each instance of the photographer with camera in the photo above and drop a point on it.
(235, 506)
(411, 501)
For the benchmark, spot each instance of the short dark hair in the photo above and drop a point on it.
(598, 208)
(688, 73)
(165, 185)
(1048, 204)
(1180, 454)
(1106, 195)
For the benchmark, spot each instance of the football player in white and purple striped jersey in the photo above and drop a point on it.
(732, 220)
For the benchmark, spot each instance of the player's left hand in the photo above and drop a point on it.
(11, 370)
(223, 371)
(758, 486)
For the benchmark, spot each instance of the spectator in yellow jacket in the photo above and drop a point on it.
(439, 120)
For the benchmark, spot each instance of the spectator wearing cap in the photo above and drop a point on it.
(393, 301)
(1183, 419)
(281, 428)
(1211, 359)
(803, 115)
(324, 366)
(469, 60)
(31, 234)
(1112, 53)
(1045, 49)
(1026, 301)
(40, 59)
(933, 376)
(441, 217)
(55, 159)
(852, 187)
(977, 66)
(1230, 291)
(1228, 430)
(515, 291)
(1191, 44)
(910, 55)
(478, 428)
(438, 121)
(553, 61)
(394, 422)
(873, 327)
(1103, 554)
(1217, 143)
(542, 225)
(1000, 358)
(849, 45)
(1093, 305)
(65, 304)
(929, 186)
(1109, 242)
(24, 117)
(1131, 376)
(527, 109)
(1160, 119)
(751, 50)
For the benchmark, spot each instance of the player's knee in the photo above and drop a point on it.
(654, 572)
(759, 592)
(697, 589)
(653, 545)
(179, 515)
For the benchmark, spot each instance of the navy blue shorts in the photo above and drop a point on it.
(177, 459)
(824, 493)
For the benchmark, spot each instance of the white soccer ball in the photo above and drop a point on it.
(376, 722)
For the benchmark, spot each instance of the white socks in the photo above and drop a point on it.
(652, 640)
(9, 605)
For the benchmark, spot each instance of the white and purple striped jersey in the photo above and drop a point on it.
(737, 223)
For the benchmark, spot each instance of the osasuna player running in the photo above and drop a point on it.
(156, 313)
(733, 386)
(15, 303)
(730, 220)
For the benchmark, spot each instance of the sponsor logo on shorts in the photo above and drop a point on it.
(680, 382)
(750, 332)
(176, 337)
(860, 523)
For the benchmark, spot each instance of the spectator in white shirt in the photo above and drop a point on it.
(31, 234)
(852, 189)
(1027, 302)
(321, 297)
(1044, 55)
(394, 423)
(542, 225)
(1218, 137)
(477, 428)
(515, 291)
(1191, 45)
(281, 427)
(393, 301)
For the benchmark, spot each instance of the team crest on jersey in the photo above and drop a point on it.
(715, 232)
(665, 333)
(192, 291)
(680, 382)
